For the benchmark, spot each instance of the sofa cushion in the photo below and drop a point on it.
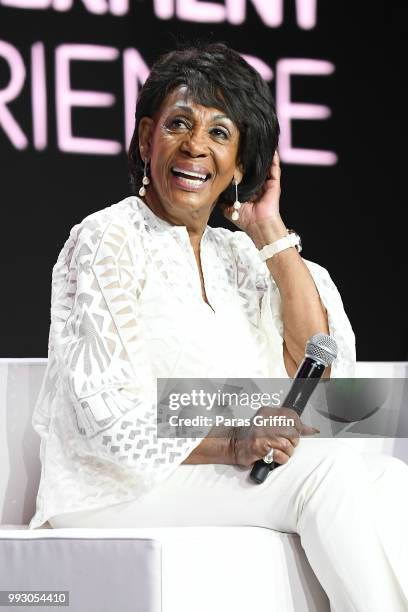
(101, 572)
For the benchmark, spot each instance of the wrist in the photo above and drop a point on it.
(270, 251)
(268, 231)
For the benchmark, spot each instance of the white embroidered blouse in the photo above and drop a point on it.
(126, 308)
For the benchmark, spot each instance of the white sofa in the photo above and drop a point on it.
(191, 569)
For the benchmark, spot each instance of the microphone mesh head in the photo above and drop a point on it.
(323, 348)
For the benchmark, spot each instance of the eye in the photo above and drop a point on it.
(220, 133)
(179, 123)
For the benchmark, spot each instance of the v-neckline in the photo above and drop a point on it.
(208, 306)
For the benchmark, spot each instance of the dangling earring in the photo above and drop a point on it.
(237, 204)
(145, 181)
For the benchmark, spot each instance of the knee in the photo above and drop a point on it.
(398, 464)
(348, 469)
(395, 468)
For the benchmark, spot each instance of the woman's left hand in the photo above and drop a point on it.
(264, 209)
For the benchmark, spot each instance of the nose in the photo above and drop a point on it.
(194, 143)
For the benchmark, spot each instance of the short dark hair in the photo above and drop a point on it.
(215, 76)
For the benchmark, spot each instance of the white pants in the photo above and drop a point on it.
(350, 511)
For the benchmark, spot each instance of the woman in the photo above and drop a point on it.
(145, 288)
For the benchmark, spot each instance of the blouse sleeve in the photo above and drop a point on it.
(97, 335)
(270, 308)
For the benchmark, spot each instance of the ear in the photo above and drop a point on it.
(145, 132)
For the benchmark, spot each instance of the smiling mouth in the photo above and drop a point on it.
(194, 179)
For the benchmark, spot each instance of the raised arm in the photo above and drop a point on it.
(300, 293)
(303, 313)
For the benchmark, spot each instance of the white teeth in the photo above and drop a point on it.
(192, 182)
(202, 177)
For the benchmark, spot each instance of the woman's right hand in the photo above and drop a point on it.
(250, 443)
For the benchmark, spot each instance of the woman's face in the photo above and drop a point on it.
(193, 154)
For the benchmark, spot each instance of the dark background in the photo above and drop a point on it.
(350, 215)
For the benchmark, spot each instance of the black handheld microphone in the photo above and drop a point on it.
(321, 351)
